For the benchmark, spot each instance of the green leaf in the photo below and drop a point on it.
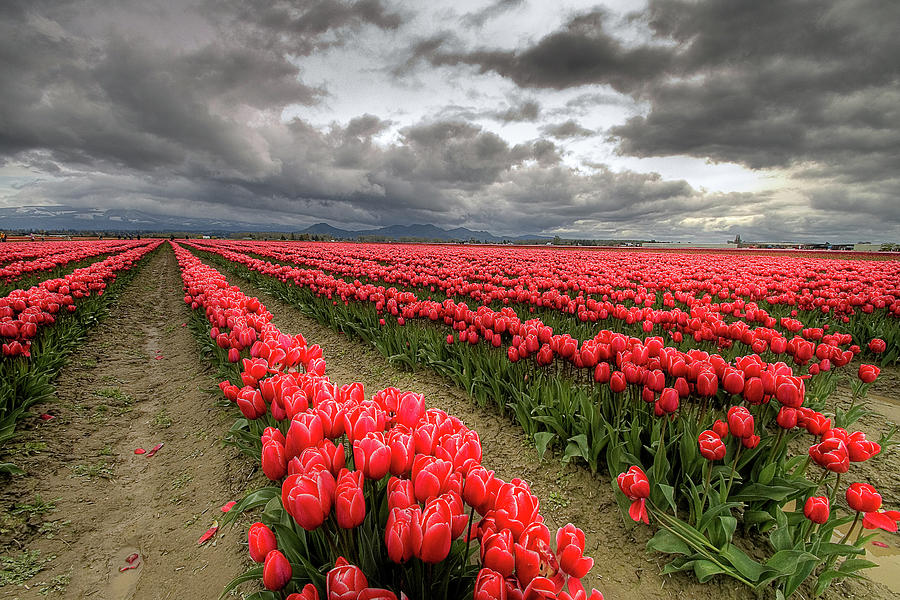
(668, 543)
(855, 564)
(766, 474)
(251, 500)
(706, 570)
(251, 575)
(541, 440)
(669, 493)
(11, 469)
(729, 525)
(758, 491)
(747, 567)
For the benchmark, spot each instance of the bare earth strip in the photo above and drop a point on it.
(114, 397)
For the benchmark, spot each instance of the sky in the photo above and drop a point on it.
(670, 120)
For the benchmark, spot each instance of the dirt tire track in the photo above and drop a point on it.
(155, 506)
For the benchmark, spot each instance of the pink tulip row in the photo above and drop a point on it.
(432, 459)
(24, 312)
(702, 323)
(613, 357)
(56, 254)
(568, 278)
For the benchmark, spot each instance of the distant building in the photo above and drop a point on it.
(866, 247)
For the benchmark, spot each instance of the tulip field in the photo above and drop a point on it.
(721, 395)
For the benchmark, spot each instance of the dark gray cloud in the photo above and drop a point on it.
(567, 129)
(497, 8)
(581, 53)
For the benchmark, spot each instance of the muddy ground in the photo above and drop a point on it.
(88, 501)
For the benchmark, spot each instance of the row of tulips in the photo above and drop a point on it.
(24, 311)
(649, 361)
(384, 482)
(52, 255)
(769, 408)
(722, 297)
(41, 325)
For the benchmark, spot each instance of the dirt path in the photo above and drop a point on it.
(138, 382)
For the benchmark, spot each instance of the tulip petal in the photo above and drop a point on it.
(140, 451)
(880, 544)
(155, 449)
(209, 534)
(227, 506)
(877, 520)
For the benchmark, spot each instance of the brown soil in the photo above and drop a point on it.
(114, 397)
(623, 570)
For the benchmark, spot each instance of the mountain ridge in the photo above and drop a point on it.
(68, 218)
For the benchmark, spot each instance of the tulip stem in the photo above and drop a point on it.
(465, 562)
(737, 454)
(706, 487)
(852, 527)
(833, 495)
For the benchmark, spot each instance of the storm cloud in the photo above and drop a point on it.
(515, 117)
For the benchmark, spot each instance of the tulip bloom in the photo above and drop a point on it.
(570, 551)
(877, 345)
(436, 531)
(636, 487)
(372, 455)
(868, 373)
(490, 585)
(816, 509)
(497, 552)
(276, 571)
(344, 581)
(260, 541)
(831, 454)
(862, 497)
(349, 502)
(711, 445)
(740, 422)
(403, 533)
(274, 461)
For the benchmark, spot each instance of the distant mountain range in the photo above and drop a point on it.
(63, 218)
(418, 231)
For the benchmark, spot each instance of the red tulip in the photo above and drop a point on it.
(711, 445)
(497, 552)
(344, 581)
(304, 431)
(274, 461)
(740, 422)
(787, 417)
(635, 485)
(403, 533)
(349, 502)
(436, 531)
(831, 454)
(668, 400)
(309, 592)
(877, 345)
(372, 455)
(570, 551)
(816, 509)
(868, 373)
(490, 585)
(431, 476)
(863, 497)
(260, 541)
(311, 498)
(617, 382)
(721, 428)
(707, 383)
(276, 571)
